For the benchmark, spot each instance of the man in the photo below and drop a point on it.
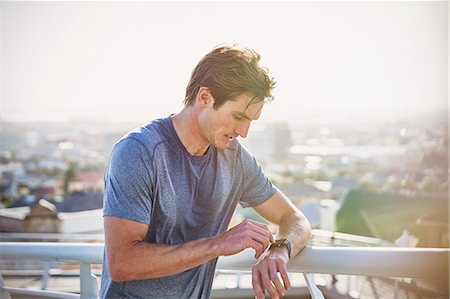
(172, 186)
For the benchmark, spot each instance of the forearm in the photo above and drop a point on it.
(142, 260)
(297, 229)
(130, 258)
(270, 274)
(292, 225)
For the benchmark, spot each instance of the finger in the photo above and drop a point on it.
(272, 240)
(252, 223)
(262, 229)
(266, 234)
(276, 281)
(263, 240)
(256, 284)
(256, 223)
(256, 246)
(259, 224)
(284, 275)
(266, 282)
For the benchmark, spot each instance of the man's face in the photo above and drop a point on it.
(220, 126)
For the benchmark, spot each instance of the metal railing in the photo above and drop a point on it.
(424, 263)
(50, 237)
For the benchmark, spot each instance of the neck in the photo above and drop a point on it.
(188, 130)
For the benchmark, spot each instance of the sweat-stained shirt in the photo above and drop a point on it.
(151, 178)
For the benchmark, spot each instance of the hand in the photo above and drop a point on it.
(247, 234)
(265, 274)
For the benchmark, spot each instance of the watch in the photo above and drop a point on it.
(281, 243)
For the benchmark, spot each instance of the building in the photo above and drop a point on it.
(80, 212)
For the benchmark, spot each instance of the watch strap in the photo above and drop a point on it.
(282, 243)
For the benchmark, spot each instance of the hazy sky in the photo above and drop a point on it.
(132, 61)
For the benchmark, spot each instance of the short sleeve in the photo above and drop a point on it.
(128, 177)
(257, 188)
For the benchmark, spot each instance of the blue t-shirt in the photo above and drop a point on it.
(152, 178)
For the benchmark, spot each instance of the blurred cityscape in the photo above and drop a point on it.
(402, 156)
(53, 160)
(61, 166)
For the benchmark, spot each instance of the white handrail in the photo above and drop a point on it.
(51, 237)
(430, 263)
(366, 261)
(48, 294)
(59, 252)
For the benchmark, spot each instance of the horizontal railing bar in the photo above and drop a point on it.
(54, 272)
(52, 236)
(41, 293)
(366, 261)
(60, 252)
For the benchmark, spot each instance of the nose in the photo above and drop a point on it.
(242, 129)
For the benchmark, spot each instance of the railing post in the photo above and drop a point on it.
(3, 293)
(45, 275)
(88, 282)
(396, 289)
(313, 289)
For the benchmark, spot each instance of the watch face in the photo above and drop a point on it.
(282, 242)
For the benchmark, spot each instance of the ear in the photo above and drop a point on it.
(204, 97)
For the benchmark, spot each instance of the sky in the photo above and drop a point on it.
(123, 61)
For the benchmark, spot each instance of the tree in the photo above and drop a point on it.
(69, 176)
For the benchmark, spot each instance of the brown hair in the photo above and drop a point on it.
(230, 71)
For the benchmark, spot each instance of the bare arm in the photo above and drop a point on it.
(130, 258)
(293, 226)
(291, 222)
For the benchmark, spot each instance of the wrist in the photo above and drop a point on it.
(280, 244)
(279, 252)
(215, 246)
